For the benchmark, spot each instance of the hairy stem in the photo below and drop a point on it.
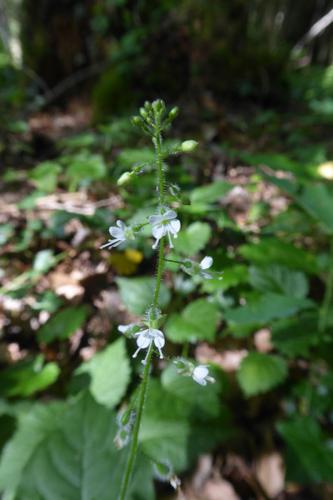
(145, 378)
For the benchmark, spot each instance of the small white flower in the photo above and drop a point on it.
(201, 375)
(126, 329)
(119, 233)
(199, 269)
(146, 337)
(205, 264)
(165, 223)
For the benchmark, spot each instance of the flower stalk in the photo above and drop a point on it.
(157, 141)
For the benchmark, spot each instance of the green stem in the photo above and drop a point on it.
(328, 296)
(145, 378)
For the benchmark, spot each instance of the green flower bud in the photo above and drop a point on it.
(124, 178)
(173, 113)
(188, 146)
(136, 120)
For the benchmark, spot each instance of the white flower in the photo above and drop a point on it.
(205, 264)
(126, 329)
(165, 223)
(201, 376)
(194, 269)
(120, 233)
(146, 337)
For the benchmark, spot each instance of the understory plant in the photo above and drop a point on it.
(154, 120)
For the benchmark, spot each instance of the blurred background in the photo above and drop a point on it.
(254, 83)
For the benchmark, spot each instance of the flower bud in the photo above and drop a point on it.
(173, 113)
(124, 178)
(188, 146)
(136, 120)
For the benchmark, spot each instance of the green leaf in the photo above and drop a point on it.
(232, 276)
(178, 430)
(63, 324)
(193, 239)
(6, 232)
(309, 456)
(45, 176)
(261, 372)
(108, 372)
(266, 308)
(270, 250)
(279, 279)
(66, 450)
(314, 197)
(43, 261)
(295, 336)
(28, 377)
(85, 168)
(137, 293)
(198, 321)
(210, 193)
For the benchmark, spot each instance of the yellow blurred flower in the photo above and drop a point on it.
(126, 262)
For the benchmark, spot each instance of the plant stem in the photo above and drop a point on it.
(328, 296)
(145, 378)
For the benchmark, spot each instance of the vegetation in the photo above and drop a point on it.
(247, 168)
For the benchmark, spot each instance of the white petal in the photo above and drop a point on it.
(174, 226)
(169, 215)
(206, 263)
(159, 342)
(116, 232)
(158, 231)
(143, 341)
(120, 224)
(155, 219)
(200, 372)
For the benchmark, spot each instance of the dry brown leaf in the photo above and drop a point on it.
(270, 473)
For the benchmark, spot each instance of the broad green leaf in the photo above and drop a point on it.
(279, 279)
(261, 372)
(276, 161)
(205, 398)
(295, 336)
(66, 450)
(193, 239)
(84, 168)
(210, 193)
(108, 372)
(177, 430)
(314, 197)
(309, 456)
(63, 324)
(45, 176)
(232, 276)
(266, 308)
(28, 377)
(198, 321)
(137, 293)
(273, 250)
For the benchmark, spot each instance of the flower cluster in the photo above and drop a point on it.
(199, 373)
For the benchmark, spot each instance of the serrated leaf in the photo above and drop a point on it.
(272, 250)
(198, 321)
(279, 279)
(309, 458)
(108, 373)
(266, 308)
(66, 450)
(295, 336)
(261, 372)
(63, 324)
(137, 293)
(193, 239)
(172, 429)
